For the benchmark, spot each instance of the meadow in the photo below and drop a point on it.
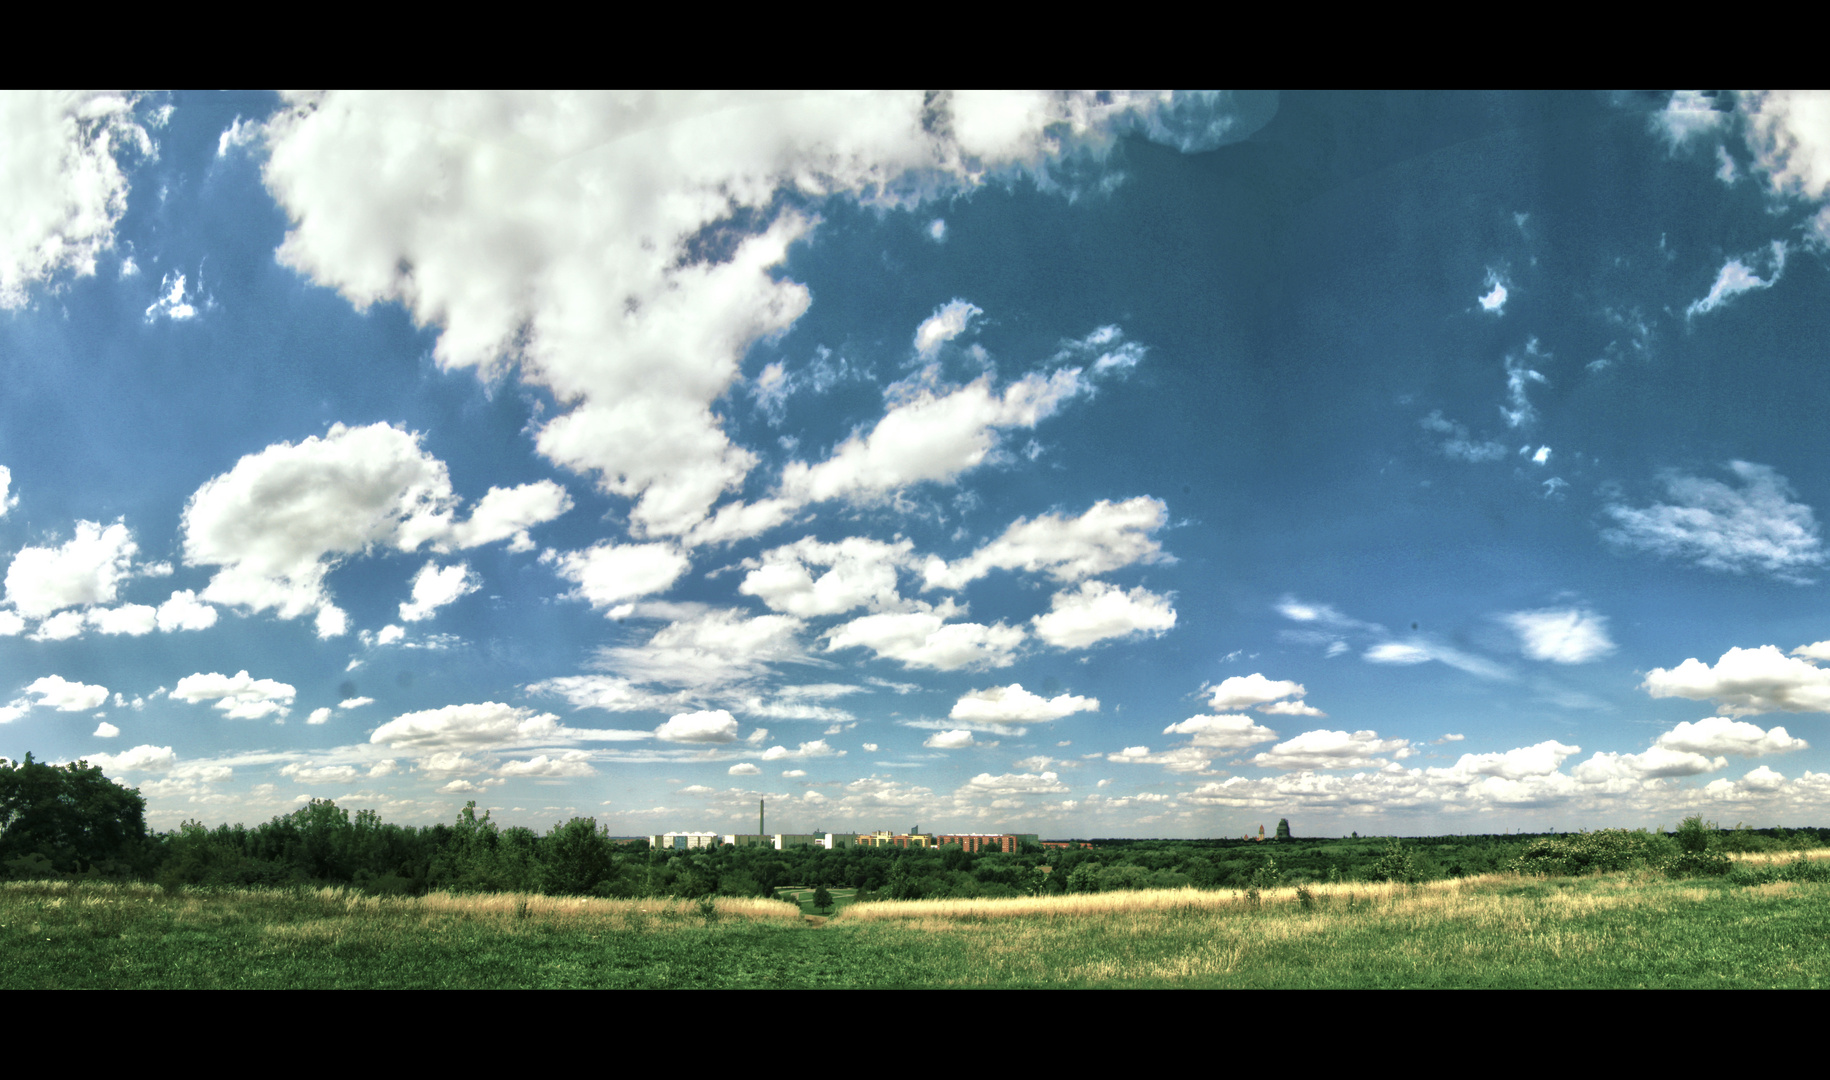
(1765, 925)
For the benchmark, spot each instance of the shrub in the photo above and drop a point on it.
(1697, 856)
(1597, 852)
(1395, 864)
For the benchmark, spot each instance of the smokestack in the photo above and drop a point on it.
(761, 818)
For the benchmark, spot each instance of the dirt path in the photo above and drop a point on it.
(815, 920)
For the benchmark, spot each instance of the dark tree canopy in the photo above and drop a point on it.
(70, 815)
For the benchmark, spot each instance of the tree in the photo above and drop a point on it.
(578, 857)
(822, 900)
(70, 816)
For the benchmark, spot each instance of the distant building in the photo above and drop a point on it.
(683, 841)
(1067, 844)
(1010, 842)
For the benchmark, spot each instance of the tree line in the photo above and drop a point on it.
(71, 820)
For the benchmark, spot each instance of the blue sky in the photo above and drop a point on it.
(1097, 464)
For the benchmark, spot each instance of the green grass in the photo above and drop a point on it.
(1606, 931)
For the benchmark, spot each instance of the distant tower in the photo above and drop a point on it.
(761, 817)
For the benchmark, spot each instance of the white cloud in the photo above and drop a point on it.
(56, 692)
(60, 627)
(1540, 760)
(1655, 763)
(185, 612)
(862, 574)
(816, 748)
(134, 620)
(708, 650)
(1460, 445)
(1046, 783)
(105, 730)
(1230, 732)
(1108, 536)
(238, 696)
(1746, 681)
(794, 772)
(1097, 611)
(88, 569)
(616, 249)
(609, 574)
(928, 434)
(434, 587)
(1244, 691)
(1182, 759)
(608, 692)
(1561, 635)
(1518, 410)
(1786, 132)
(1495, 299)
(486, 724)
(319, 716)
(918, 639)
(239, 133)
(937, 230)
(1736, 277)
(1421, 651)
(172, 302)
(503, 513)
(1756, 527)
(1721, 735)
(61, 183)
(572, 763)
(1691, 113)
(705, 726)
(7, 500)
(142, 758)
(1330, 750)
(355, 702)
(743, 768)
(948, 322)
(1014, 705)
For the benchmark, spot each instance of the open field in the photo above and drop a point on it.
(1614, 930)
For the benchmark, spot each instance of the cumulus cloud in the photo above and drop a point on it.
(1721, 735)
(434, 587)
(143, 758)
(1331, 750)
(617, 249)
(815, 748)
(183, 611)
(485, 724)
(1231, 732)
(571, 764)
(56, 692)
(948, 322)
(1746, 681)
(1655, 763)
(743, 768)
(238, 696)
(1526, 761)
(1736, 277)
(1245, 691)
(7, 500)
(1108, 536)
(1756, 527)
(708, 650)
(1047, 783)
(61, 183)
(505, 513)
(1561, 635)
(88, 569)
(133, 620)
(609, 574)
(705, 726)
(922, 639)
(958, 739)
(1097, 611)
(1182, 759)
(929, 434)
(862, 574)
(1494, 300)
(277, 522)
(319, 716)
(1014, 705)
(105, 730)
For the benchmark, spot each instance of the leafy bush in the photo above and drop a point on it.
(1596, 852)
(1396, 864)
(1698, 855)
(1817, 870)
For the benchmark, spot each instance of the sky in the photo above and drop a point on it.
(1089, 464)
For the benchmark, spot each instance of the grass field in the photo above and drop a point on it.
(1619, 930)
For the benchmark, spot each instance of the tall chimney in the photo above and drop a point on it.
(761, 818)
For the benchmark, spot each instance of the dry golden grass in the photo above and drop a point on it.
(1763, 857)
(1141, 900)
